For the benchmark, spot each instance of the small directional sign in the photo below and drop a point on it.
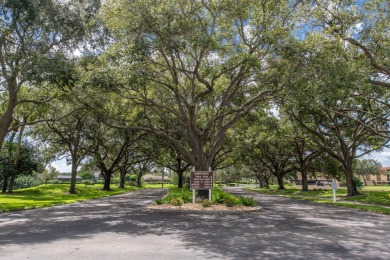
(202, 180)
(334, 185)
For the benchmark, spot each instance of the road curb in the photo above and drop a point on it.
(210, 212)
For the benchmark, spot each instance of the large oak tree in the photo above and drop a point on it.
(196, 67)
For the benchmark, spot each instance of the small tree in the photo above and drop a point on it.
(87, 175)
(28, 162)
(366, 167)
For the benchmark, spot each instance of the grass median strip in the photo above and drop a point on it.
(371, 199)
(54, 194)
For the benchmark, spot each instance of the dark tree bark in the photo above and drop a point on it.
(279, 177)
(122, 176)
(180, 169)
(72, 188)
(261, 181)
(304, 180)
(107, 180)
(5, 184)
(16, 161)
(6, 117)
(351, 184)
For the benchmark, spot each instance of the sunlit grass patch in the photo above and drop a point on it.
(377, 198)
(54, 194)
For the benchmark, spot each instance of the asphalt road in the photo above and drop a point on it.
(119, 227)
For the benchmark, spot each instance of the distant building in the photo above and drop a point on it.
(66, 178)
(97, 173)
(150, 178)
(312, 181)
(383, 178)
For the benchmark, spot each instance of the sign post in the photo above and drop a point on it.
(201, 180)
(334, 188)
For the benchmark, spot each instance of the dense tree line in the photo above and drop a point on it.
(278, 86)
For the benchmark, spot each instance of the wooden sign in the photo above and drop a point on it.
(202, 180)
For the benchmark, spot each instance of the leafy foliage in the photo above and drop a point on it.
(29, 160)
(26, 181)
(230, 201)
(247, 201)
(177, 202)
(206, 203)
(87, 175)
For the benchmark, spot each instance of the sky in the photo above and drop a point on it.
(61, 166)
(382, 157)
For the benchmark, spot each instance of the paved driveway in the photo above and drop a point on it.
(119, 227)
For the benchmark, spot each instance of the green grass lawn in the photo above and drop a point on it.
(377, 198)
(54, 194)
(158, 186)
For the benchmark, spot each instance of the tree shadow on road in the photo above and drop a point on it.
(286, 229)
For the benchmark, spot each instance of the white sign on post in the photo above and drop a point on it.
(334, 188)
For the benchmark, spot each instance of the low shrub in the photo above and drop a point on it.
(357, 181)
(26, 181)
(218, 197)
(177, 202)
(247, 201)
(159, 201)
(230, 201)
(186, 198)
(54, 182)
(206, 203)
(100, 181)
(88, 182)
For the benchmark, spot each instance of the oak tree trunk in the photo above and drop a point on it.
(122, 178)
(16, 161)
(180, 176)
(261, 181)
(139, 180)
(304, 180)
(5, 182)
(266, 181)
(351, 185)
(6, 117)
(107, 180)
(72, 188)
(280, 182)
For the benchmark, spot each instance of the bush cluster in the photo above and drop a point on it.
(206, 203)
(230, 201)
(218, 197)
(159, 201)
(247, 201)
(55, 181)
(26, 181)
(225, 198)
(177, 202)
(88, 182)
(100, 182)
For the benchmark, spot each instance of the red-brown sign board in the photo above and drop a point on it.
(202, 180)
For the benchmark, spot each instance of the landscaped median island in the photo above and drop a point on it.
(181, 199)
(54, 194)
(372, 198)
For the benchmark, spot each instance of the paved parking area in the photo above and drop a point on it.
(119, 227)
